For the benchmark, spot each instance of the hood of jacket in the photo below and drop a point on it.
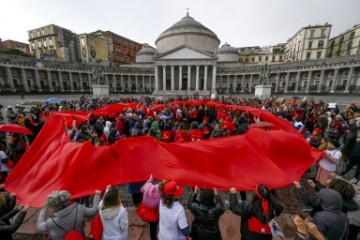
(108, 124)
(109, 213)
(330, 200)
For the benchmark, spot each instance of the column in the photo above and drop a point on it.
(205, 77)
(189, 78)
(277, 82)
(322, 75)
(150, 86)
(80, 82)
(228, 83)
(349, 79)
(235, 83)
(136, 83)
(251, 82)
(143, 82)
(243, 83)
(297, 81)
(164, 78)
(335, 80)
(89, 81)
(106, 79)
(24, 80)
(197, 83)
(114, 83)
(213, 89)
(122, 84)
(172, 79)
(287, 81)
(308, 83)
(49, 80)
(37, 80)
(156, 78)
(221, 81)
(180, 78)
(61, 83)
(9, 77)
(71, 82)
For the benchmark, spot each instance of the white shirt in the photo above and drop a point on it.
(115, 223)
(326, 164)
(171, 221)
(3, 167)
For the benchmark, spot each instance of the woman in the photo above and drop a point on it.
(149, 208)
(181, 135)
(327, 164)
(207, 213)
(173, 223)
(7, 211)
(67, 216)
(255, 215)
(114, 216)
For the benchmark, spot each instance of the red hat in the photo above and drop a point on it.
(319, 130)
(206, 118)
(172, 188)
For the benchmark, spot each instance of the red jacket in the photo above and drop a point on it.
(195, 135)
(166, 136)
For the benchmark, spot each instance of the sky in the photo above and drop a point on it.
(238, 22)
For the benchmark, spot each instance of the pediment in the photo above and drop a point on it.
(184, 53)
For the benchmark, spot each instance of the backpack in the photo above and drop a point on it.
(72, 234)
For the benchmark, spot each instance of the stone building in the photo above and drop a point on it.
(346, 44)
(54, 43)
(11, 44)
(309, 43)
(262, 55)
(187, 59)
(94, 50)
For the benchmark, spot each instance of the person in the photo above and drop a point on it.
(67, 216)
(173, 224)
(149, 208)
(7, 211)
(3, 168)
(331, 222)
(136, 194)
(328, 162)
(206, 213)
(195, 134)
(255, 215)
(304, 227)
(114, 216)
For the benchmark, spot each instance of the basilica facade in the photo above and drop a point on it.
(187, 59)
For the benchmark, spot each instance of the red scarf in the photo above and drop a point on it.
(264, 202)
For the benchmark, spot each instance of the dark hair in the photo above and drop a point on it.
(166, 127)
(111, 198)
(264, 192)
(207, 197)
(166, 199)
(181, 126)
(194, 125)
(345, 189)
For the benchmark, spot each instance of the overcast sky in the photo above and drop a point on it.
(239, 22)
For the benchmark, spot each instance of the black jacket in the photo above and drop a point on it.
(6, 230)
(246, 211)
(206, 222)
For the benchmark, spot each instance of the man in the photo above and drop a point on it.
(3, 168)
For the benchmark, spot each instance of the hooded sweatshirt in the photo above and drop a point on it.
(115, 222)
(107, 128)
(332, 223)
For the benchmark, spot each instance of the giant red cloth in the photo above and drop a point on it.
(275, 158)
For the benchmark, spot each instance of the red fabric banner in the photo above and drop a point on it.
(275, 158)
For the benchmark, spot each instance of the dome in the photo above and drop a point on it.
(188, 32)
(228, 53)
(146, 54)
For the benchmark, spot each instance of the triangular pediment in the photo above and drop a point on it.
(184, 53)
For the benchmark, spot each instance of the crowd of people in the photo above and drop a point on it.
(334, 212)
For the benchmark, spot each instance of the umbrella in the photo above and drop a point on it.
(14, 128)
(52, 100)
(261, 125)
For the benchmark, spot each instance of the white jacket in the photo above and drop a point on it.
(115, 223)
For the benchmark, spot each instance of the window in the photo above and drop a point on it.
(38, 33)
(273, 58)
(349, 44)
(246, 59)
(280, 58)
(43, 32)
(308, 55)
(320, 44)
(322, 32)
(259, 59)
(310, 44)
(39, 44)
(318, 55)
(332, 43)
(50, 42)
(312, 33)
(341, 39)
(352, 35)
(92, 43)
(266, 58)
(44, 43)
(253, 59)
(49, 30)
(82, 42)
(32, 45)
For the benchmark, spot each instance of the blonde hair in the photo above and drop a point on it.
(59, 200)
